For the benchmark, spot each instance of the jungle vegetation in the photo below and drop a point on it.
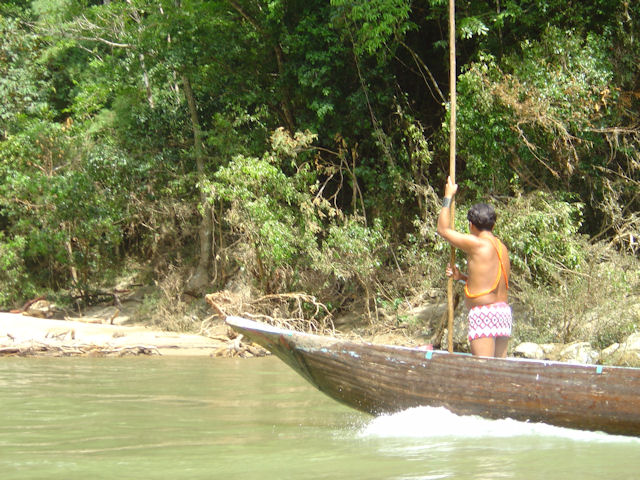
(302, 146)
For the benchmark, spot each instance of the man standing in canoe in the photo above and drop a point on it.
(487, 282)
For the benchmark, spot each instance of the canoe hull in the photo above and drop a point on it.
(384, 379)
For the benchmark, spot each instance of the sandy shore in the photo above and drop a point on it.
(25, 335)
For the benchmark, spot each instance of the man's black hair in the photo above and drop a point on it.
(483, 216)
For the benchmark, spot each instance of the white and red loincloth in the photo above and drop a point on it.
(493, 320)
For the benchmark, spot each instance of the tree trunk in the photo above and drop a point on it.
(199, 281)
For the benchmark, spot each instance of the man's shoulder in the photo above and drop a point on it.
(477, 245)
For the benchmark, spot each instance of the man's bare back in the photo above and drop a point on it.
(484, 267)
(486, 284)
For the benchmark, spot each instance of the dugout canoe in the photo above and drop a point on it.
(384, 379)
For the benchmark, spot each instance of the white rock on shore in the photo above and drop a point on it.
(626, 353)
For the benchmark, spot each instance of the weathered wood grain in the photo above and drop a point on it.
(384, 379)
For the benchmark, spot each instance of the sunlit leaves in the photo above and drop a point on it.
(470, 27)
(543, 235)
(268, 209)
(377, 22)
(536, 112)
(21, 84)
(353, 250)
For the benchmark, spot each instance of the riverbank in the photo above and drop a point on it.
(43, 330)
(24, 335)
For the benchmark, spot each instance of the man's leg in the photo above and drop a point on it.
(501, 346)
(483, 346)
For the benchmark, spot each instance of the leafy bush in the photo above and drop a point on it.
(354, 251)
(14, 281)
(567, 288)
(594, 304)
(530, 119)
(376, 22)
(276, 216)
(542, 233)
(286, 227)
(63, 213)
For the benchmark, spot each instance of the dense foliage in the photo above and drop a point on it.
(305, 142)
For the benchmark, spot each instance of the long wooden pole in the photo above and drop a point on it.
(452, 151)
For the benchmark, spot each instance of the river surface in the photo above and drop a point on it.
(203, 418)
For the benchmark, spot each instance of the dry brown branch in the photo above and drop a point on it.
(295, 311)
(532, 149)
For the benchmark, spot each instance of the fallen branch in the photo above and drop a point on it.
(286, 310)
(41, 349)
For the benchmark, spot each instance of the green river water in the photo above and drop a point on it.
(202, 418)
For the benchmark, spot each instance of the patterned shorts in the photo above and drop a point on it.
(492, 320)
